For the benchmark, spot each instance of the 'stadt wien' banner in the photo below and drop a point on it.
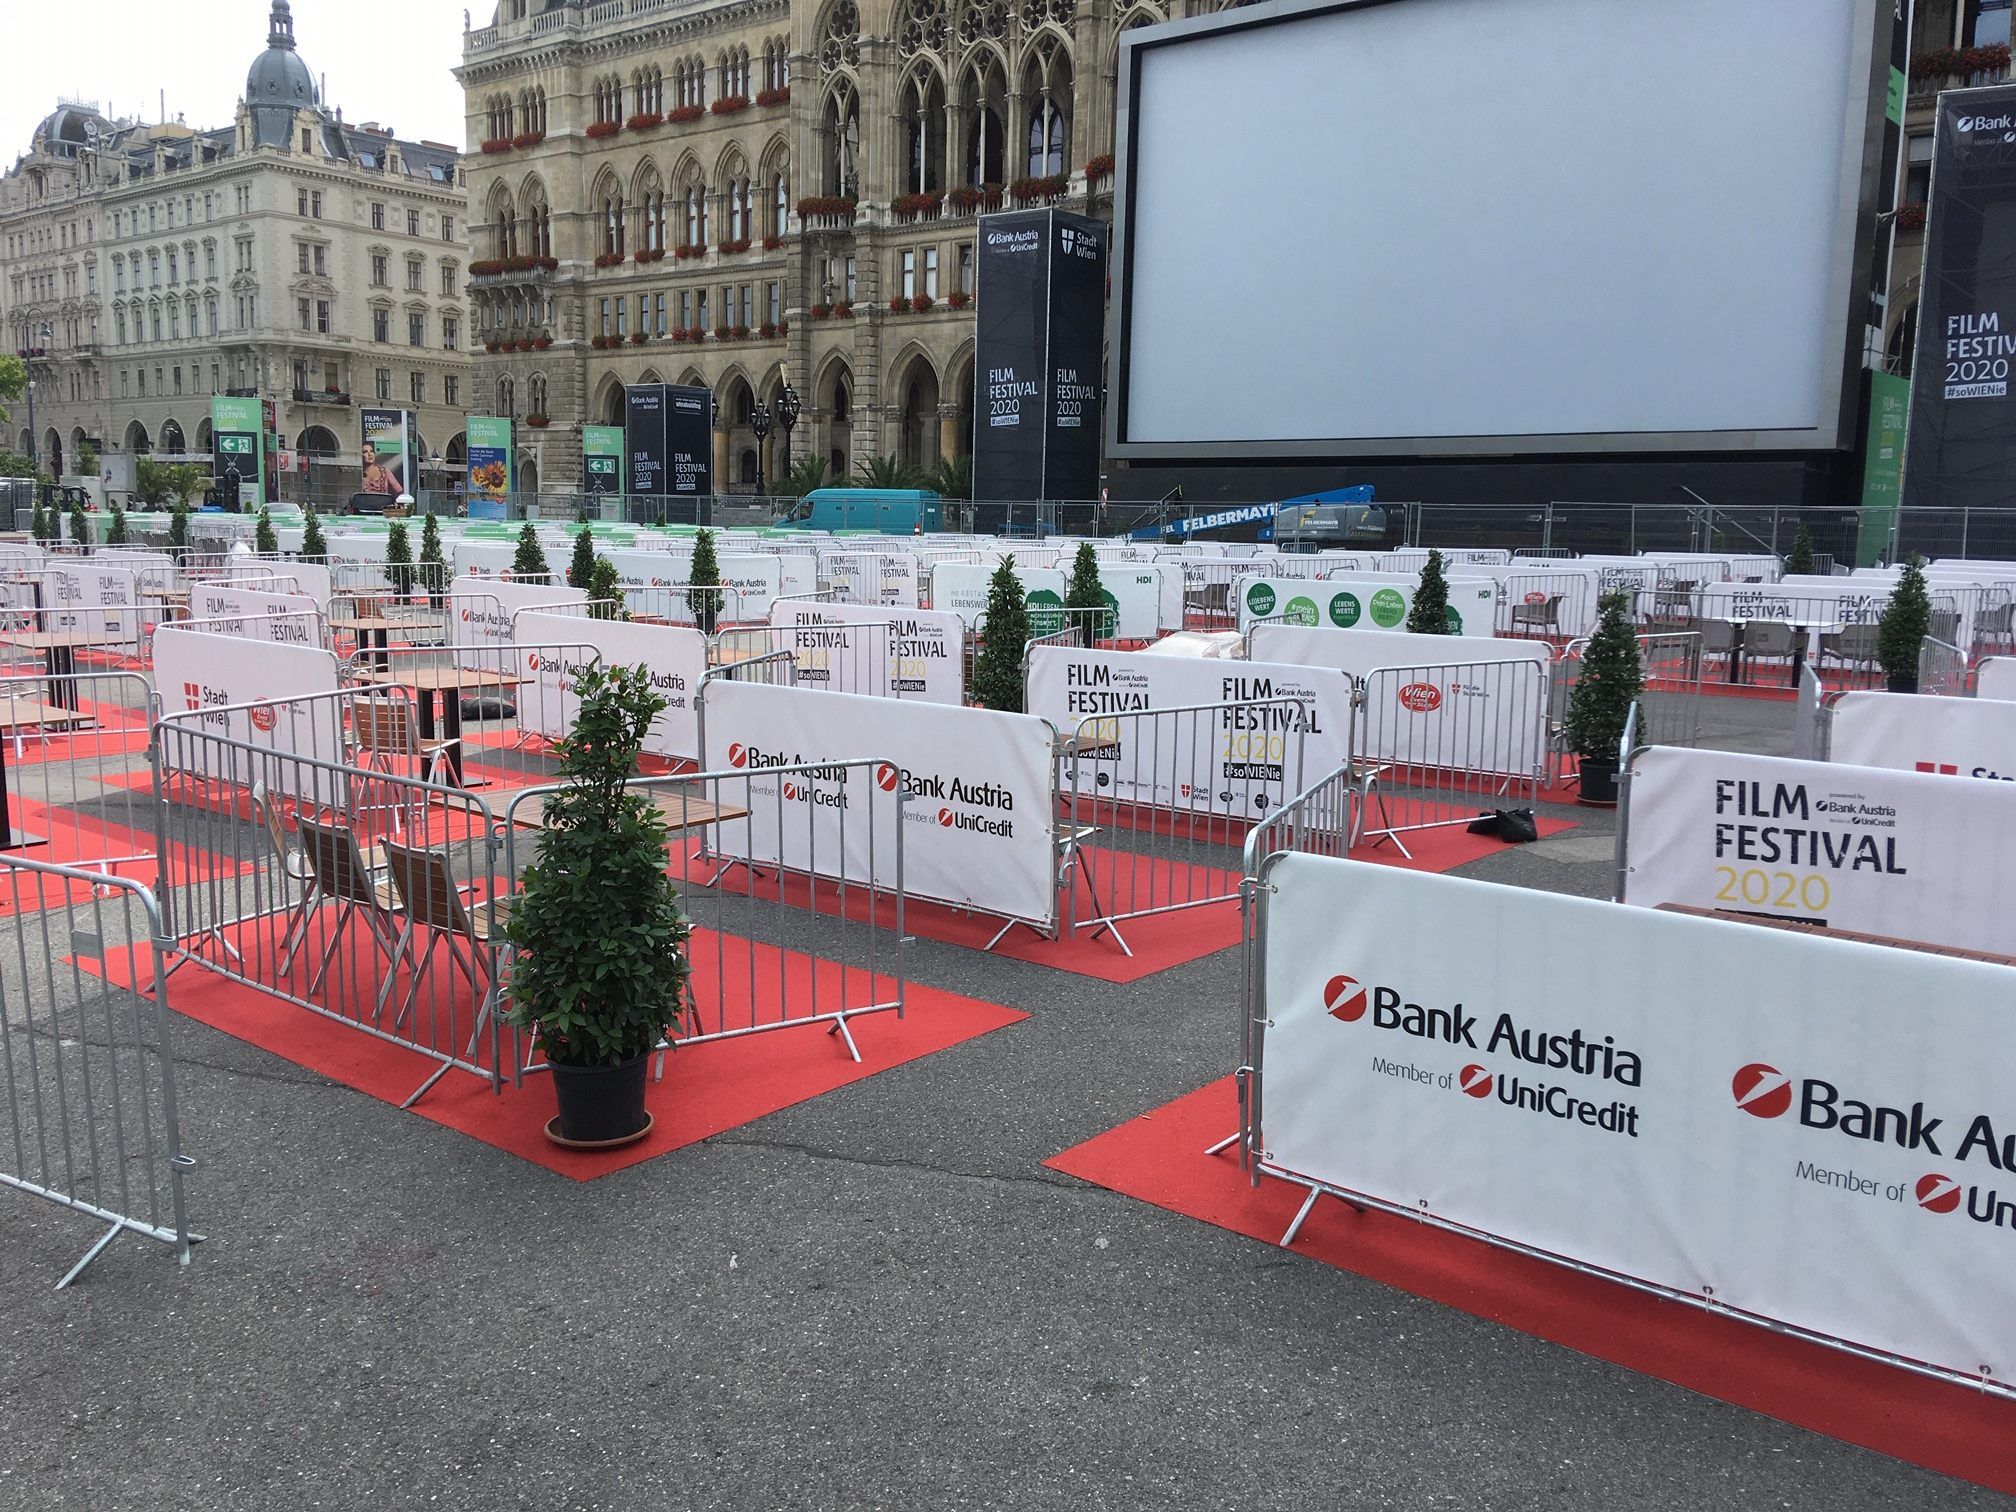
(668, 440)
(1796, 1128)
(1243, 759)
(206, 674)
(1911, 732)
(1040, 319)
(1961, 445)
(1864, 849)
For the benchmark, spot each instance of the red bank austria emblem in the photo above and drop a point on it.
(1344, 999)
(1762, 1091)
(945, 817)
(885, 777)
(738, 755)
(790, 790)
(1421, 698)
(1937, 1193)
(1474, 1081)
(532, 661)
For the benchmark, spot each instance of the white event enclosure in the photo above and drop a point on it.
(1362, 655)
(1865, 849)
(674, 656)
(1363, 601)
(1251, 758)
(1996, 678)
(962, 587)
(1663, 1098)
(480, 611)
(72, 589)
(283, 618)
(921, 652)
(206, 674)
(979, 817)
(1952, 737)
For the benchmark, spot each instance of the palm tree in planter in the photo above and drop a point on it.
(601, 967)
(1900, 634)
(1600, 703)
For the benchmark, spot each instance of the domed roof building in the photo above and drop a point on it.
(69, 129)
(278, 83)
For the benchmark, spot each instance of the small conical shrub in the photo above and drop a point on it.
(704, 583)
(581, 569)
(264, 541)
(313, 547)
(1608, 684)
(1907, 620)
(399, 559)
(997, 674)
(530, 562)
(1430, 612)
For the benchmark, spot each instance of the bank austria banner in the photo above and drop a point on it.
(1961, 444)
(601, 460)
(203, 674)
(1243, 760)
(281, 619)
(674, 657)
(1767, 1121)
(488, 438)
(1040, 309)
(915, 653)
(1864, 849)
(978, 817)
(480, 611)
(1911, 732)
(1363, 603)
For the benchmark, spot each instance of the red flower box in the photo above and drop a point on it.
(733, 246)
(826, 204)
(685, 250)
(821, 311)
(1100, 167)
(958, 299)
(899, 305)
(772, 243)
(492, 346)
(496, 145)
(1048, 186)
(608, 259)
(975, 196)
(644, 120)
(741, 333)
(843, 311)
(783, 328)
(766, 330)
(484, 267)
(1960, 60)
(910, 206)
(537, 422)
(540, 343)
(921, 303)
(695, 335)
(774, 96)
(638, 338)
(730, 105)
(683, 114)
(721, 333)
(1911, 217)
(603, 129)
(528, 139)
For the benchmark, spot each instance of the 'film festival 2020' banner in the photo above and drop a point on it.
(490, 465)
(387, 452)
(668, 435)
(1774, 1121)
(284, 619)
(1863, 849)
(978, 817)
(919, 653)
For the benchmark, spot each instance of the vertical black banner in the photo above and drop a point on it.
(1012, 333)
(644, 438)
(1961, 449)
(688, 438)
(1075, 360)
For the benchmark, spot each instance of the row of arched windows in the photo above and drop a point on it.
(740, 210)
(529, 234)
(177, 261)
(524, 113)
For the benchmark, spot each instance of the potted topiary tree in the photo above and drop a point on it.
(1799, 560)
(399, 560)
(1900, 634)
(80, 528)
(1085, 603)
(1429, 614)
(178, 527)
(581, 568)
(530, 561)
(38, 521)
(264, 541)
(115, 529)
(605, 591)
(703, 583)
(433, 570)
(997, 673)
(600, 968)
(313, 547)
(1600, 702)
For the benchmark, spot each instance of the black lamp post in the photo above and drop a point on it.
(787, 416)
(34, 441)
(759, 422)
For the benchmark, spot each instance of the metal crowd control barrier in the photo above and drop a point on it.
(1942, 668)
(281, 869)
(289, 627)
(1545, 605)
(1184, 787)
(745, 860)
(1434, 745)
(73, 752)
(1670, 712)
(64, 637)
(87, 1058)
(853, 657)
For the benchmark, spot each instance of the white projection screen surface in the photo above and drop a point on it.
(1494, 226)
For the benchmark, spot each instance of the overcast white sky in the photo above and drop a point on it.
(385, 60)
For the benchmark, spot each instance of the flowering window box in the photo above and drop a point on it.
(958, 299)
(1099, 168)
(496, 145)
(541, 343)
(772, 243)
(774, 96)
(695, 335)
(528, 139)
(730, 105)
(537, 422)
(910, 206)
(921, 303)
(603, 129)
(685, 250)
(644, 120)
(683, 114)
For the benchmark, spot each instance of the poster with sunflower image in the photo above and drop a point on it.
(489, 439)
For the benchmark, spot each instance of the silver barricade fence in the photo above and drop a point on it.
(1942, 668)
(1183, 787)
(371, 619)
(73, 771)
(683, 604)
(87, 1058)
(1545, 605)
(308, 880)
(788, 854)
(1207, 590)
(836, 658)
(1436, 745)
(289, 627)
(1670, 663)
(67, 637)
(1285, 617)
(484, 714)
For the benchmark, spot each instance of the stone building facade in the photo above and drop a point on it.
(739, 193)
(289, 255)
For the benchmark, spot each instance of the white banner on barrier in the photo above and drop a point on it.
(1996, 678)
(1949, 737)
(284, 619)
(71, 590)
(195, 672)
(926, 648)
(1146, 600)
(675, 656)
(979, 823)
(310, 578)
(480, 610)
(1858, 848)
(1776, 1122)
(486, 559)
(1363, 603)
(1247, 765)
(1360, 655)
(962, 588)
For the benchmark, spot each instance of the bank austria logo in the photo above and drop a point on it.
(1974, 125)
(1937, 1193)
(738, 755)
(1762, 1091)
(956, 799)
(1344, 999)
(1474, 1081)
(886, 776)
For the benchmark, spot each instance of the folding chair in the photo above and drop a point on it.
(295, 868)
(474, 935)
(382, 729)
(340, 875)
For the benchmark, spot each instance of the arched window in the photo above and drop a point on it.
(119, 323)
(1047, 87)
(613, 228)
(840, 141)
(535, 395)
(983, 106)
(923, 124)
(780, 205)
(738, 208)
(696, 214)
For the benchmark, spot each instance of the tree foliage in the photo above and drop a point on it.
(605, 583)
(313, 547)
(115, 529)
(600, 969)
(581, 569)
(264, 541)
(1085, 605)
(1429, 614)
(433, 568)
(1800, 558)
(1608, 684)
(13, 382)
(997, 673)
(1907, 620)
(153, 482)
(80, 527)
(530, 562)
(703, 583)
(884, 472)
(399, 559)
(952, 478)
(807, 473)
(178, 527)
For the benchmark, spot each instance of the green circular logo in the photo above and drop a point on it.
(1455, 619)
(1345, 610)
(1046, 612)
(1260, 600)
(1301, 611)
(1389, 607)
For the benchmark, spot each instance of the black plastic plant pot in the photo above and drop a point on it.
(600, 1106)
(1598, 785)
(1901, 682)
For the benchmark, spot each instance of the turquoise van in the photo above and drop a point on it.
(876, 511)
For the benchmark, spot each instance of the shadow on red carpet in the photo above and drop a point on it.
(1159, 1158)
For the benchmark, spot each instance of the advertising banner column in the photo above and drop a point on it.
(601, 460)
(489, 442)
(387, 452)
(643, 434)
(237, 459)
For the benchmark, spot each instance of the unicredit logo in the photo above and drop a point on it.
(945, 817)
(1938, 1194)
(532, 661)
(465, 616)
(738, 755)
(791, 791)
(885, 777)
(1474, 1081)
(1344, 999)
(1762, 1091)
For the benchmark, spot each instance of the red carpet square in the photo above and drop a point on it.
(84, 841)
(1159, 1158)
(707, 1089)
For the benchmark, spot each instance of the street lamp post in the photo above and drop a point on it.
(787, 417)
(759, 422)
(34, 441)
